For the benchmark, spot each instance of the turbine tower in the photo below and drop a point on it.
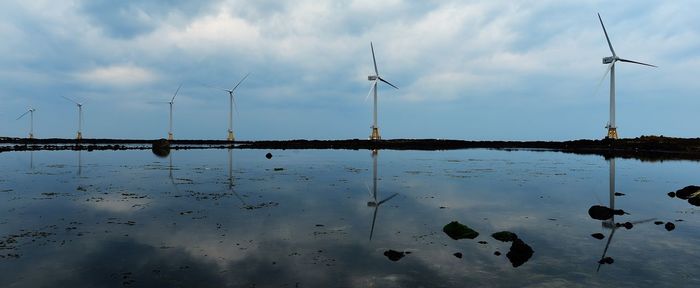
(170, 130)
(612, 128)
(31, 121)
(373, 88)
(230, 136)
(79, 136)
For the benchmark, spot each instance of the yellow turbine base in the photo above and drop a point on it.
(80, 136)
(31, 136)
(170, 136)
(230, 136)
(612, 133)
(375, 134)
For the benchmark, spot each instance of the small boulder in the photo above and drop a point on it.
(394, 255)
(458, 255)
(504, 236)
(688, 192)
(606, 260)
(458, 231)
(519, 253)
(268, 155)
(598, 236)
(669, 226)
(599, 212)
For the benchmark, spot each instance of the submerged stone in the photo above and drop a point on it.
(598, 236)
(458, 231)
(394, 255)
(458, 255)
(268, 155)
(658, 222)
(606, 260)
(161, 148)
(670, 226)
(671, 194)
(519, 253)
(599, 212)
(504, 236)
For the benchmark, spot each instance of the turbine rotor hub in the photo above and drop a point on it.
(372, 77)
(608, 60)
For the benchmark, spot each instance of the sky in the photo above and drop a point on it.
(473, 70)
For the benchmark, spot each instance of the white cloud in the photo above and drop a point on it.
(118, 75)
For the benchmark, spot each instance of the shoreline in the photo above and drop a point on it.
(649, 148)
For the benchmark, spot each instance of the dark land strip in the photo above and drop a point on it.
(647, 148)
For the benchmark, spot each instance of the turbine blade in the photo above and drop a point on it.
(374, 219)
(603, 78)
(25, 113)
(178, 90)
(371, 87)
(214, 87)
(635, 62)
(392, 85)
(387, 199)
(239, 82)
(606, 36)
(71, 100)
(376, 72)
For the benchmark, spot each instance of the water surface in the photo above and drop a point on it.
(326, 218)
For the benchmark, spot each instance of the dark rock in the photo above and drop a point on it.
(519, 253)
(161, 148)
(598, 236)
(687, 192)
(669, 226)
(268, 155)
(458, 231)
(394, 255)
(627, 225)
(658, 222)
(497, 253)
(695, 201)
(671, 194)
(619, 194)
(483, 242)
(606, 260)
(599, 212)
(458, 255)
(504, 236)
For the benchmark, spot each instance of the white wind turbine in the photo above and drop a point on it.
(170, 130)
(612, 128)
(80, 117)
(31, 121)
(373, 88)
(230, 136)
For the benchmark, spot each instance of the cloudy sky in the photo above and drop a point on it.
(512, 70)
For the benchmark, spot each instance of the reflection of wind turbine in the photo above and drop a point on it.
(80, 117)
(31, 121)
(230, 179)
(231, 105)
(610, 224)
(80, 163)
(374, 203)
(373, 88)
(612, 129)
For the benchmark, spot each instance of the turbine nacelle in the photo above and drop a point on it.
(608, 60)
(372, 77)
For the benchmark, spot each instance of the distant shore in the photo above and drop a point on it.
(650, 148)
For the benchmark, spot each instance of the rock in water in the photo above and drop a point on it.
(598, 236)
(599, 212)
(687, 191)
(669, 226)
(606, 260)
(458, 255)
(394, 255)
(519, 253)
(161, 148)
(504, 236)
(268, 155)
(458, 231)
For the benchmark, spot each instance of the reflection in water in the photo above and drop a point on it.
(80, 163)
(31, 160)
(374, 203)
(610, 223)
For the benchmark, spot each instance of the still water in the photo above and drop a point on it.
(327, 218)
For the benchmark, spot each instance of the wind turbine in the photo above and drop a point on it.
(375, 80)
(80, 117)
(230, 136)
(612, 128)
(170, 131)
(31, 121)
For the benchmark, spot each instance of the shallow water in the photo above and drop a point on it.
(222, 218)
